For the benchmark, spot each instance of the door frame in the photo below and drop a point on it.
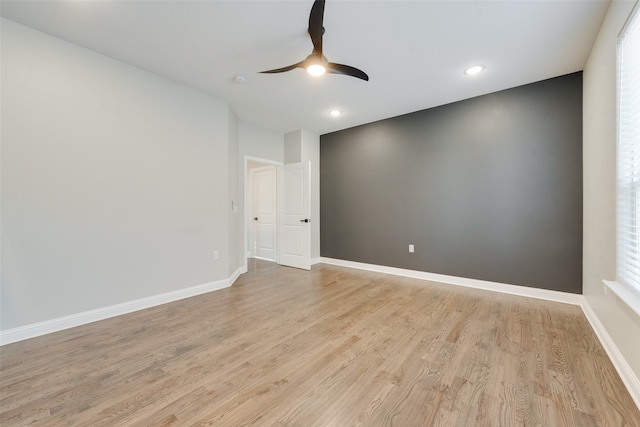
(247, 201)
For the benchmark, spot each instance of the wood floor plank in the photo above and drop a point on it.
(329, 347)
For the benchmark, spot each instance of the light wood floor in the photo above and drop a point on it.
(330, 347)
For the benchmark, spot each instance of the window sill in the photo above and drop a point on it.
(629, 296)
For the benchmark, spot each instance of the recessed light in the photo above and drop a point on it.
(335, 113)
(473, 70)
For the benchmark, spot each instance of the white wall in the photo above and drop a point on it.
(599, 157)
(236, 259)
(115, 182)
(293, 147)
(256, 141)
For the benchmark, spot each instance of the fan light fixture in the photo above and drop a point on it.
(473, 70)
(316, 70)
(316, 64)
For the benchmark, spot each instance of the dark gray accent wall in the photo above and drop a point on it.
(487, 188)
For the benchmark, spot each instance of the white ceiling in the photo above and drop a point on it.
(414, 51)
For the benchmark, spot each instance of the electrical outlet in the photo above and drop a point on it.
(411, 249)
(216, 255)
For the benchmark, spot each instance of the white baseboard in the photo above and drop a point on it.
(66, 322)
(627, 375)
(240, 270)
(316, 261)
(524, 291)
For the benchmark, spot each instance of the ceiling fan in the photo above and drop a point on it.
(316, 64)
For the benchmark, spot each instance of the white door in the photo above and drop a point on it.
(264, 203)
(294, 231)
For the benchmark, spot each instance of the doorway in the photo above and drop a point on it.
(263, 211)
(277, 209)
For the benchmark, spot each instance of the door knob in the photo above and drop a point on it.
(305, 220)
(255, 219)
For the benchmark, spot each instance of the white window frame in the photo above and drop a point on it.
(627, 283)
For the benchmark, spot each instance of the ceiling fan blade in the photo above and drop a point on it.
(347, 70)
(316, 29)
(284, 69)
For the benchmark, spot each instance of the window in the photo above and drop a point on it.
(628, 163)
